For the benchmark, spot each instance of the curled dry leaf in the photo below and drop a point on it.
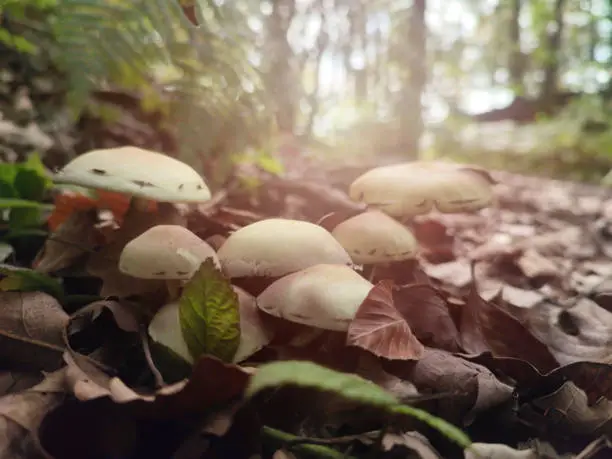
(484, 327)
(580, 333)
(411, 441)
(472, 387)
(427, 313)
(71, 242)
(379, 328)
(498, 451)
(567, 411)
(31, 325)
(21, 414)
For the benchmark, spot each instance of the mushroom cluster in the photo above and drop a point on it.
(304, 273)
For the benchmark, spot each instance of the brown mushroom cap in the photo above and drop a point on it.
(277, 246)
(321, 296)
(165, 252)
(137, 172)
(374, 237)
(410, 189)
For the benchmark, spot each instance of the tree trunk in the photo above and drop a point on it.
(516, 59)
(551, 70)
(411, 111)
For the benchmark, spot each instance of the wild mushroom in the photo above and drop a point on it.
(167, 252)
(323, 297)
(275, 247)
(144, 176)
(374, 238)
(165, 329)
(409, 189)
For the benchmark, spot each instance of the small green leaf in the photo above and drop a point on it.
(27, 280)
(31, 180)
(209, 314)
(352, 387)
(11, 203)
(25, 218)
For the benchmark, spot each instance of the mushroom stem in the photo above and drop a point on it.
(139, 204)
(372, 273)
(174, 287)
(306, 337)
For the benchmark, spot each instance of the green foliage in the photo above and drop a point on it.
(26, 280)
(308, 375)
(209, 314)
(22, 187)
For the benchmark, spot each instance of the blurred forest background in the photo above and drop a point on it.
(522, 85)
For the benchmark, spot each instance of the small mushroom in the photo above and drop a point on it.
(322, 296)
(168, 252)
(165, 329)
(409, 189)
(275, 247)
(374, 238)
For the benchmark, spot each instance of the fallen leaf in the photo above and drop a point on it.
(68, 244)
(31, 325)
(426, 312)
(379, 328)
(535, 266)
(498, 451)
(6, 250)
(457, 273)
(484, 327)
(21, 414)
(567, 412)
(580, 333)
(473, 388)
(209, 313)
(412, 441)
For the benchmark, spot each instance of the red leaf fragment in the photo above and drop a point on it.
(379, 328)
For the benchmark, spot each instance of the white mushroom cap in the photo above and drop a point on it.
(254, 334)
(277, 246)
(165, 252)
(374, 237)
(409, 189)
(321, 296)
(165, 329)
(137, 172)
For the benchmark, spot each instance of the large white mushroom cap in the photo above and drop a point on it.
(137, 172)
(409, 189)
(278, 246)
(374, 237)
(165, 252)
(321, 296)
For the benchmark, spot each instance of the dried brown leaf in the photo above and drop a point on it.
(484, 327)
(21, 414)
(70, 243)
(379, 328)
(31, 325)
(427, 313)
(412, 441)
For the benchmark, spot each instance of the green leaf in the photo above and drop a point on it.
(27, 280)
(352, 387)
(12, 203)
(31, 180)
(25, 218)
(209, 314)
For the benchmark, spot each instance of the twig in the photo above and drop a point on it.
(319, 450)
(159, 379)
(594, 447)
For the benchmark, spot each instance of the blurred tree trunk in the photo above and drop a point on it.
(551, 70)
(516, 59)
(281, 77)
(415, 59)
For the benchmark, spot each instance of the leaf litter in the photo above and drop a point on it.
(501, 337)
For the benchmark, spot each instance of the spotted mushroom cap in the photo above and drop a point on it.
(277, 246)
(321, 296)
(374, 237)
(165, 252)
(137, 172)
(410, 189)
